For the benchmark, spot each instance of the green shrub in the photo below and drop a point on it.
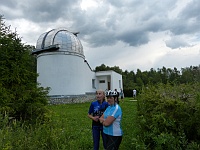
(169, 116)
(20, 96)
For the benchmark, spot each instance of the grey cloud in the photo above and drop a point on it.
(176, 42)
(8, 9)
(100, 39)
(182, 26)
(43, 11)
(48, 11)
(109, 22)
(8, 3)
(107, 29)
(134, 38)
(154, 25)
(97, 27)
(117, 26)
(145, 22)
(191, 10)
(187, 21)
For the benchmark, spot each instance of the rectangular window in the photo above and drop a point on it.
(101, 81)
(93, 84)
(120, 84)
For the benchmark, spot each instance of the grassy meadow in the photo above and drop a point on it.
(69, 128)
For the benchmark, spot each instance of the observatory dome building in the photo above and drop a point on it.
(62, 66)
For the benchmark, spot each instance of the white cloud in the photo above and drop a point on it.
(86, 4)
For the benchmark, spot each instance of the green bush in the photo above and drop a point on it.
(169, 116)
(20, 96)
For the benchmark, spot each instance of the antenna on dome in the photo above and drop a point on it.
(75, 33)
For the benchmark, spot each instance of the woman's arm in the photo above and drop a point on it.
(108, 121)
(101, 119)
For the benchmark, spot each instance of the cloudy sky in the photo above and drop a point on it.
(131, 34)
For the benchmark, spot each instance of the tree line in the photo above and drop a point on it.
(139, 79)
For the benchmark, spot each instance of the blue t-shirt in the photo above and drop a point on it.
(97, 109)
(115, 128)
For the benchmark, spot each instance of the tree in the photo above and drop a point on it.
(106, 68)
(20, 95)
(101, 68)
(116, 69)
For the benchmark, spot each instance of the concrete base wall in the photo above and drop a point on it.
(72, 99)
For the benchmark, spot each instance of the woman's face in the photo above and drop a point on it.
(100, 95)
(111, 100)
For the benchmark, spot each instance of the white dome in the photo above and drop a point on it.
(64, 39)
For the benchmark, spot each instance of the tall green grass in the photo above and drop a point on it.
(68, 128)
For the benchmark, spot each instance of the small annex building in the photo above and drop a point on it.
(61, 65)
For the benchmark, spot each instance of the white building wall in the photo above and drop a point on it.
(116, 80)
(64, 74)
(102, 86)
(71, 75)
(89, 75)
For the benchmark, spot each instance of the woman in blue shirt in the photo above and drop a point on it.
(96, 110)
(111, 120)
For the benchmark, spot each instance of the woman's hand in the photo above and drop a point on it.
(101, 119)
(95, 118)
